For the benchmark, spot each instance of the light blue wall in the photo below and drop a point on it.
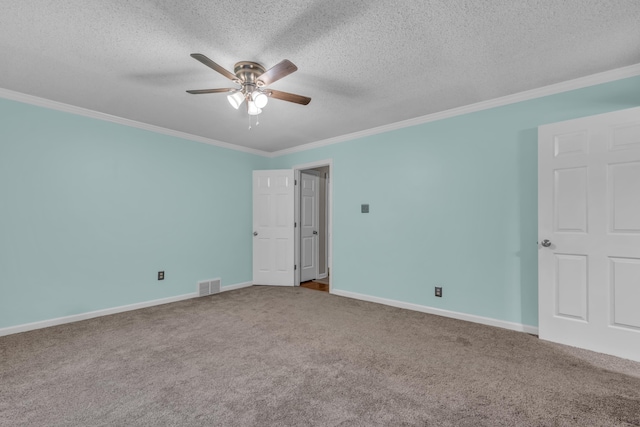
(453, 203)
(90, 211)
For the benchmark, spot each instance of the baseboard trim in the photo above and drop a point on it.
(440, 312)
(236, 286)
(107, 311)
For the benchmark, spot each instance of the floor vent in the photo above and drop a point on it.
(208, 287)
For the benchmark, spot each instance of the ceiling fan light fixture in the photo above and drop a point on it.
(253, 109)
(236, 99)
(259, 98)
(253, 79)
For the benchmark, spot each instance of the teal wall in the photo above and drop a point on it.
(453, 203)
(90, 211)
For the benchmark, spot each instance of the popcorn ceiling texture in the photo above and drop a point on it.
(363, 63)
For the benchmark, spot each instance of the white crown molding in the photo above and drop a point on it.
(67, 108)
(440, 312)
(579, 83)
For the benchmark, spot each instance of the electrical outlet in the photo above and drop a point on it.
(160, 275)
(438, 292)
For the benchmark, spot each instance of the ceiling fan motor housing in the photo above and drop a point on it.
(248, 73)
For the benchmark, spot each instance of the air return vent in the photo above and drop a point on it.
(208, 287)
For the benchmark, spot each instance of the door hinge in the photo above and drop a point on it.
(295, 224)
(295, 267)
(295, 182)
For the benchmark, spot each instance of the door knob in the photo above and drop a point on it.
(546, 243)
(315, 232)
(255, 233)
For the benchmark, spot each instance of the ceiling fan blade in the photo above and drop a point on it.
(200, 91)
(286, 96)
(209, 63)
(275, 73)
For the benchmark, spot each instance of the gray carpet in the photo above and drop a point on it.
(267, 356)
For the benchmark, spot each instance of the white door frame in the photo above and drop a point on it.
(329, 228)
(316, 206)
(325, 203)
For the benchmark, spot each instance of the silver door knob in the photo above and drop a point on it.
(546, 243)
(315, 232)
(255, 233)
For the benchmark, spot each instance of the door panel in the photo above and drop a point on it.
(571, 200)
(624, 197)
(589, 210)
(273, 227)
(307, 252)
(626, 138)
(625, 279)
(570, 144)
(281, 254)
(571, 286)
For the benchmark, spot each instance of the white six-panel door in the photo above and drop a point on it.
(589, 232)
(273, 227)
(309, 213)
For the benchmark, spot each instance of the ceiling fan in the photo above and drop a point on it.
(253, 79)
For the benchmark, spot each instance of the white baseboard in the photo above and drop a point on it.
(409, 306)
(440, 312)
(107, 311)
(236, 286)
(322, 276)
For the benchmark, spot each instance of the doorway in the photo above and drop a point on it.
(313, 225)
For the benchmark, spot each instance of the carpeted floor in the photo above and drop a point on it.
(269, 356)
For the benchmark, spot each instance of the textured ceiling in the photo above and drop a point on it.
(364, 63)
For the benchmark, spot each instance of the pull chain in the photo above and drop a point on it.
(257, 121)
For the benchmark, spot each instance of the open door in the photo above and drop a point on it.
(273, 227)
(589, 225)
(323, 168)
